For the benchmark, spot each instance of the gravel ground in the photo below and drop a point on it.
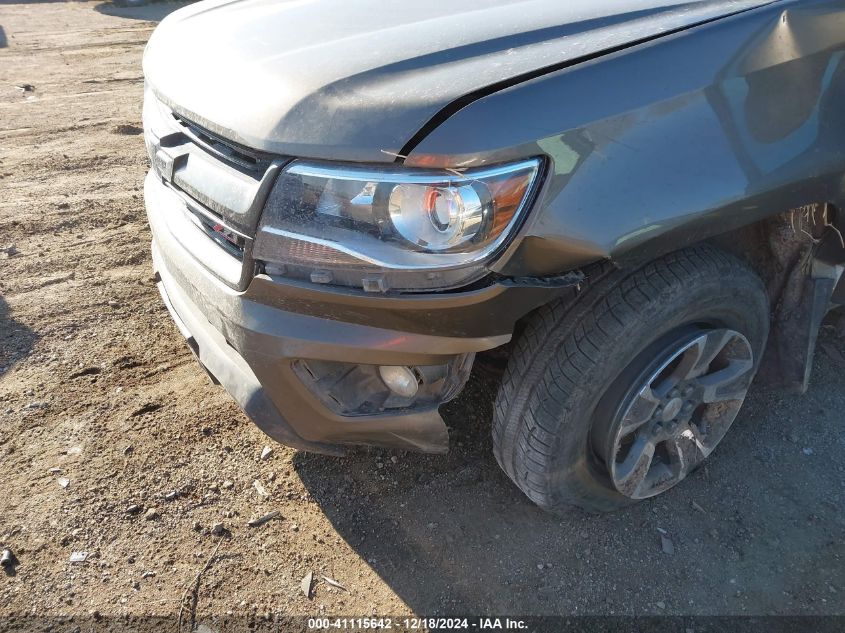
(115, 443)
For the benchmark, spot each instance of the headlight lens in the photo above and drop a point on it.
(437, 218)
(409, 229)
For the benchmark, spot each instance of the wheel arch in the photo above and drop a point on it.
(799, 254)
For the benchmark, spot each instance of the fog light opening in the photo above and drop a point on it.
(400, 380)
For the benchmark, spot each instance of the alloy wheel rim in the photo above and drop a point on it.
(675, 418)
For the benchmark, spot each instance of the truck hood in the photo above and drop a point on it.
(336, 79)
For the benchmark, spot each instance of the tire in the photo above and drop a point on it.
(576, 363)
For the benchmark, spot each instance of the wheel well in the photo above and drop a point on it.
(782, 243)
(798, 254)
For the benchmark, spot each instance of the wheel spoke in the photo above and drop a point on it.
(730, 383)
(639, 412)
(694, 359)
(707, 348)
(631, 474)
(686, 450)
(688, 358)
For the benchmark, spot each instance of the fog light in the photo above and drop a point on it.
(400, 380)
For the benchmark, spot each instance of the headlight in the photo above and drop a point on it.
(393, 227)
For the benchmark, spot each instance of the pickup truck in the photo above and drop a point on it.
(637, 203)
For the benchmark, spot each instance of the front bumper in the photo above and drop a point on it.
(249, 341)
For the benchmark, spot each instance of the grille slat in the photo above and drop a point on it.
(226, 150)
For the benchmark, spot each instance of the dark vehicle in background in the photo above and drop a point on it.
(638, 203)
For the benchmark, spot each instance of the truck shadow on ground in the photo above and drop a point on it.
(147, 10)
(16, 340)
(451, 534)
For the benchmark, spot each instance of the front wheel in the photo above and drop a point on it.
(621, 394)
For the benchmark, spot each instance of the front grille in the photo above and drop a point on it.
(223, 185)
(223, 236)
(228, 181)
(224, 149)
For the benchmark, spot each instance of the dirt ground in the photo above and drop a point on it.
(98, 392)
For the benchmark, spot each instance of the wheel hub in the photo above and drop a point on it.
(676, 416)
(671, 409)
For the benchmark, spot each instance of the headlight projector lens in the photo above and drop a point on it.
(437, 218)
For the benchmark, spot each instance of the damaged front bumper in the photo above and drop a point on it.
(302, 361)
